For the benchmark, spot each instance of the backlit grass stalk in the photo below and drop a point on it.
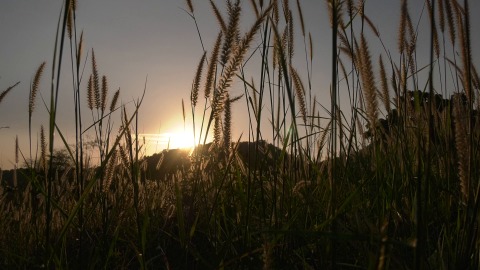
(76, 51)
(31, 104)
(54, 92)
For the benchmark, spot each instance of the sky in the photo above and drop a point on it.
(136, 40)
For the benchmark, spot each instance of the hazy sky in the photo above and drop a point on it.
(136, 39)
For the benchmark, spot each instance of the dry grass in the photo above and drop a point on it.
(344, 187)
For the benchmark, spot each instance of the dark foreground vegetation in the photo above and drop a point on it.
(349, 190)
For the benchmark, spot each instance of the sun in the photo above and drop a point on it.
(173, 138)
(179, 140)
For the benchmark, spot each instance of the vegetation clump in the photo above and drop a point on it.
(319, 188)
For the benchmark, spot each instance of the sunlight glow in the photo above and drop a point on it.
(175, 139)
(180, 140)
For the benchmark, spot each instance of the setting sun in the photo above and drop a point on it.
(175, 139)
(181, 140)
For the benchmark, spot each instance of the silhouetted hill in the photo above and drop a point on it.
(168, 162)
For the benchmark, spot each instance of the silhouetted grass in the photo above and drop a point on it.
(347, 190)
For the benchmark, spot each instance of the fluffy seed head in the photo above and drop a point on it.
(461, 145)
(385, 91)
(113, 104)
(190, 6)
(34, 88)
(5, 92)
(451, 22)
(227, 128)
(96, 81)
(196, 81)
(90, 93)
(291, 36)
(212, 65)
(234, 11)
(300, 14)
(104, 92)
(43, 147)
(368, 82)
(110, 170)
(219, 17)
(300, 90)
(402, 29)
(441, 15)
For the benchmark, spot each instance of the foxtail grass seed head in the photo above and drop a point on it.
(385, 90)
(234, 11)
(350, 8)
(451, 21)
(461, 145)
(212, 66)
(70, 20)
(43, 149)
(217, 132)
(300, 15)
(96, 81)
(310, 46)
(403, 25)
(300, 90)
(219, 17)
(74, 4)
(436, 45)
(276, 46)
(196, 81)
(6, 91)
(346, 48)
(124, 157)
(368, 83)
(282, 50)
(335, 8)
(110, 170)
(291, 36)
(90, 94)
(464, 31)
(275, 12)
(240, 52)
(227, 128)
(160, 161)
(190, 6)
(371, 25)
(113, 104)
(441, 15)
(34, 89)
(412, 35)
(286, 9)
(104, 92)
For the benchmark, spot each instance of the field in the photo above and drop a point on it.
(390, 179)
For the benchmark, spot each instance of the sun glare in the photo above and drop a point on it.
(180, 140)
(175, 139)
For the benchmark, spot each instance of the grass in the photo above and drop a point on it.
(349, 190)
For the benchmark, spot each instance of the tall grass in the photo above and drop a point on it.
(335, 186)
